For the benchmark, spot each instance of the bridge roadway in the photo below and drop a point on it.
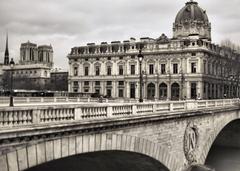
(178, 134)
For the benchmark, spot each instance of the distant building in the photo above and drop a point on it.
(27, 77)
(59, 81)
(31, 54)
(186, 66)
(33, 71)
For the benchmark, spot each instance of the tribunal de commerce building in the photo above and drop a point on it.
(186, 66)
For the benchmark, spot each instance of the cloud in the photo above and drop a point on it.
(66, 24)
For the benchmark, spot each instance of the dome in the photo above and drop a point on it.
(191, 12)
(192, 22)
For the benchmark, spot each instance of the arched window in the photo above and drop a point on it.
(163, 91)
(75, 71)
(151, 91)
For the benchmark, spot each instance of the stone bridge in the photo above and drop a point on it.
(177, 134)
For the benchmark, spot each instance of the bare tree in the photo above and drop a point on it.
(230, 44)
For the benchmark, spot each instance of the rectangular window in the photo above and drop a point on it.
(97, 91)
(120, 93)
(132, 90)
(109, 70)
(86, 90)
(132, 69)
(120, 70)
(109, 83)
(121, 83)
(151, 69)
(209, 69)
(193, 67)
(75, 71)
(75, 83)
(204, 67)
(86, 83)
(86, 71)
(109, 93)
(97, 83)
(193, 90)
(97, 70)
(175, 68)
(163, 68)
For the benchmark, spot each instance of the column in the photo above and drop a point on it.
(206, 91)
(200, 89)
(114, 89)
(127, 90)
(169, 91)
(137, 92)
(199, 65)
(70, 89)
(188, 90)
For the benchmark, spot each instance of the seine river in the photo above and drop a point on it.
(224, 159)
(220, 158)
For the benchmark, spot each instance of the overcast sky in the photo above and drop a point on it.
(69, 23)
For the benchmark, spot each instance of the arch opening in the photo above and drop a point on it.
(151, 91)
(175, 91)
(224, 153)
(163, 91)
(103, 161)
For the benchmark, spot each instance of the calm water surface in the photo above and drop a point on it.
(224, 158)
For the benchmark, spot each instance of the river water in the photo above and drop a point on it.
(224, 158)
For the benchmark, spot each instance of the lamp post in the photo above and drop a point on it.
(11, 82)
(140, 59)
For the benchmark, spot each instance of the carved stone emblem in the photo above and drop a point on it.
(191, 139)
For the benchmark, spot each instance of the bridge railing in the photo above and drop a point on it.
(32, 100)
(22, 116)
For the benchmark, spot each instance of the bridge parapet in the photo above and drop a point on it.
(20, 116)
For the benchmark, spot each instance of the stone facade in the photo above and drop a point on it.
(176, 138)
(59, 81)
(33, 71)
(30, 53)
(187, 66)
(27, 77)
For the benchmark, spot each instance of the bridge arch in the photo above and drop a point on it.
(46, 151)
(218, 129)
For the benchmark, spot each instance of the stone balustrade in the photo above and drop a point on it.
(35, 115)
(23, 100)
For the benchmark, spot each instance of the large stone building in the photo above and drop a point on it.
(34, 71)
(58, 80)
(188, 65)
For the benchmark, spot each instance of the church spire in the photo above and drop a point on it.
(6, 57)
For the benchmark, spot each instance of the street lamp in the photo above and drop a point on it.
(11, 82)
(140, 59)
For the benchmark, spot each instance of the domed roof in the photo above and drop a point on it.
(191, 12)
